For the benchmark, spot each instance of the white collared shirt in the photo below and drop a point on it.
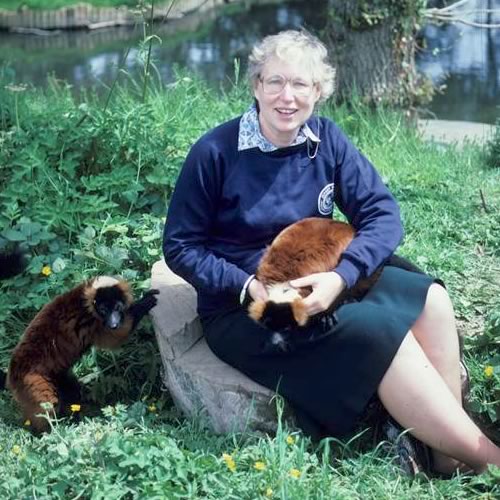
(250, 135)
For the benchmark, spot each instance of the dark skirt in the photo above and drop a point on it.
(328, 375)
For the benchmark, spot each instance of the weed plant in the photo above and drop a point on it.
(85, 187)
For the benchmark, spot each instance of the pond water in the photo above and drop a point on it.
(465, 59)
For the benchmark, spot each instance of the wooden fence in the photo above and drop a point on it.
(87, 16)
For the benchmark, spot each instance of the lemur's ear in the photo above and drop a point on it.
(256, 309)
(299, 312)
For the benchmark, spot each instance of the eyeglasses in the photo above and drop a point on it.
(274, 84)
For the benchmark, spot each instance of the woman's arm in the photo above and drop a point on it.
(191, 215)
(370, 207)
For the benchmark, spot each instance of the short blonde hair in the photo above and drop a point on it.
(288, 45)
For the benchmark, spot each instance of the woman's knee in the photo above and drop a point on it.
(438, 306)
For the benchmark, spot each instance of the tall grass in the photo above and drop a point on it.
(85, 189)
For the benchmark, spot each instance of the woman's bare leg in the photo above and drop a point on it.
(436, 333)
(416, 395)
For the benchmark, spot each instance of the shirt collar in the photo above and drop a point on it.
(250, 135)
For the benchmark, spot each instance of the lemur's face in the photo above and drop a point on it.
(278, 317)
(283, 310)
(110, 306)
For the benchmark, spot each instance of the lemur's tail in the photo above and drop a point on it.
(12, 263)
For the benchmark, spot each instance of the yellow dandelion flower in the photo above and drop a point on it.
(269, 492)
(290, 440)
(152, 408)
(75, 408)
(16, 449)
(231, 464)
(46, 270)
(259, 465)
(488, 371)
(27, 422)
(295, 473)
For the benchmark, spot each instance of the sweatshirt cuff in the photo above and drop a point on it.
(243, 292)
(348, 272)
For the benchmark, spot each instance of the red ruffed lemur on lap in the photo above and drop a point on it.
(309, 246)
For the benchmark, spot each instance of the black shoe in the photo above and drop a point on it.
(465, 383)
(412, 456)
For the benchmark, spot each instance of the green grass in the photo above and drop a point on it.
(57, 4)
(85, 186)
(493, 148)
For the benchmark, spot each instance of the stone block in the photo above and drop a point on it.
(175, 319)
(197, 380)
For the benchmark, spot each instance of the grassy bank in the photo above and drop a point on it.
(57, 4)
(85, 188)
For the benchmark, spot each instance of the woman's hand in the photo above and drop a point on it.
(326, 288)
(256, 290)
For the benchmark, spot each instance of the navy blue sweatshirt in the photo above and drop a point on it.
(228, 205)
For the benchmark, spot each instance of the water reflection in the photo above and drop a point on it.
(465, 58)
(208, 46)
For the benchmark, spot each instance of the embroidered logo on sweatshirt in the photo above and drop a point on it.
(325, 200)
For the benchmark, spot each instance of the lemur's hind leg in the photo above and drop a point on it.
(37, 389)
(70, 393)
(142, 306)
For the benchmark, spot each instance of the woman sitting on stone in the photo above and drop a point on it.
(245, 181)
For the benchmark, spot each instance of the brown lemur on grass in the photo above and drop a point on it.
(100, 312)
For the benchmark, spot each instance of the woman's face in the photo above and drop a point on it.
(287, 94)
